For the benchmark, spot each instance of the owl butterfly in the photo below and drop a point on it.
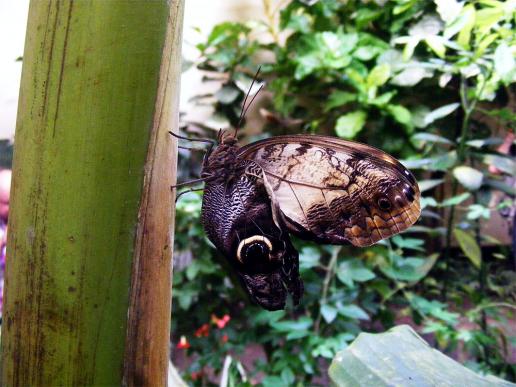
(318, 188)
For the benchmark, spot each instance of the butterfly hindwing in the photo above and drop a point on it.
(335, 191)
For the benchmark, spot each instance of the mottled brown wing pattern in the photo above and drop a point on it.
(335, 191)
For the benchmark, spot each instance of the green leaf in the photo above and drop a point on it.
(295, 335)
(404, 269)
(366, 53)
(468, 16)
(448, 10)
(428, 26)
(479, 143)
(436, 43)
(486, 18)
(501, 186)
(505, 64)
(408, 243)
(353, 311)
(429, 137)
(287, 375)
(309, 257)
(302, 324)
(411, 75)
(477, 211)
(264, 317)
(353, 270)
(273, 381)
(455, 23)
(400, 114)
(323, 51)
(423, 269)
(469, 247)
(401, 357)
(433, 308)
(349, 125)
(339, 98)
(383, 99)
(485, 43)
(428, 202)
(402, 6)
(453, 201)
(409, 48)
(504, 164)
(379, 75)
(425, 185)
(418, 116)
(438, 163)
(328, 312)
(470, 178)
(441, 112)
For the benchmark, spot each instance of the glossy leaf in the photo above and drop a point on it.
(349, 125)
(328, 312)
(339, 98)
(411, 76)
(379, 75)
(505, 164)
(504, 62)
(468, 177)
(400, 114)
(425, 185)
(469, 246)
(441, 112)
(353, 311)
(400, 356)
(448, 10)
(353, 270)
(454, 200)
(430, 137)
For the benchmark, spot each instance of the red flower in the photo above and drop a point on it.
(202, 331)
(196, 375)
(220, 322)
(224, 339)
(183, 343)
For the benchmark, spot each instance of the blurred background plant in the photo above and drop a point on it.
(431, 82)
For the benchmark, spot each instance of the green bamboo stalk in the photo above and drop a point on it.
(148, 332)
(86, 123)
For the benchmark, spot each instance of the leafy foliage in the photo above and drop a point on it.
(427, 81)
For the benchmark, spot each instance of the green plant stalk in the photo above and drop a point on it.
(148, 332)
(86, 107)
(330, 272)
(468, 109)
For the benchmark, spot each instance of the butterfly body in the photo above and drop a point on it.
(237, 217)
(319, 188)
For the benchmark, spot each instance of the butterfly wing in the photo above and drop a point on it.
(335, 191)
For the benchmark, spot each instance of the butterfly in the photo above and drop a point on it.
(318, 188)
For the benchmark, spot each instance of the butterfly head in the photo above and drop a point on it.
(228, 137)
(220, 160)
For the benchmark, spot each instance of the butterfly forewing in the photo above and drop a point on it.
(335, 191)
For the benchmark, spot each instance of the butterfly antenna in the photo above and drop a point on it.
(244, 107)
(187, 191)
(252, 99)
(191, 182)
(206, 140)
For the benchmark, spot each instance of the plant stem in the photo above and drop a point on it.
(494, 305)
(468, 107)
(330, 271)
(270, 15)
